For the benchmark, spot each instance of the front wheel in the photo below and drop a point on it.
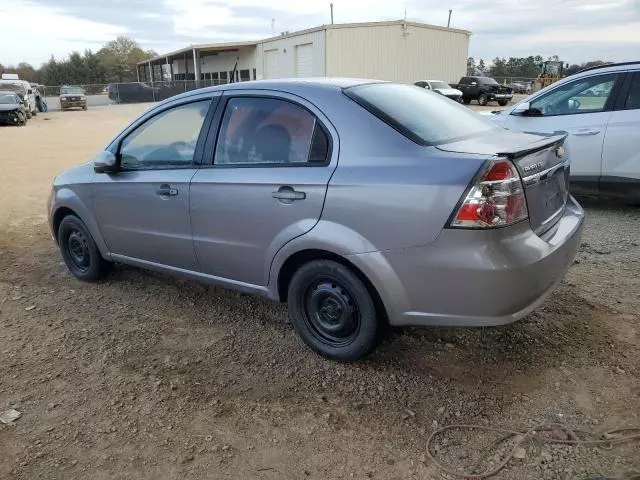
(482, 99)
(503, 103)
(80, 251)
(332, 310)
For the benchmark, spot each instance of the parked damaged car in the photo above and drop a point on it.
(12, 109)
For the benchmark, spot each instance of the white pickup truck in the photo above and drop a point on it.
(600, 109)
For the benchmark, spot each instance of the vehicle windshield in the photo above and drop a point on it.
(439, 85)
(16, 87)
(488, 81)
(426, 118)
(7, 98)
(71, 90)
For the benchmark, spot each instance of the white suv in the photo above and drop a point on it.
(600, 109)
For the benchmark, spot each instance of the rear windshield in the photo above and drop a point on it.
(439, 85)
(425, 117)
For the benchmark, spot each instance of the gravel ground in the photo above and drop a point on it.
(146, 376)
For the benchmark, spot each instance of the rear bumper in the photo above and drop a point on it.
(476, 277)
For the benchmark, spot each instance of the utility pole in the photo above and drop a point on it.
(449, 21)
(331, 7)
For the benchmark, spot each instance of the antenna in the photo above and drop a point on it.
(449, 20)
(273, 23)
(331, 7)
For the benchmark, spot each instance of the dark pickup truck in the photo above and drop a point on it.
(484, 90)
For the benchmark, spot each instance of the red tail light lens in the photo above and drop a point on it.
(496, 200)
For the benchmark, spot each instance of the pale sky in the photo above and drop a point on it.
(576, 30)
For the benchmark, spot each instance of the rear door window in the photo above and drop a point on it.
(257, 130)
(633, 97)
(425, 117)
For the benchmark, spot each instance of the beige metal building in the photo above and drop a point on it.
(399, 51)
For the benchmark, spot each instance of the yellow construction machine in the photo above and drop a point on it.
(551, 71)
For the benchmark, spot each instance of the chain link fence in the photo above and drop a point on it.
(127, 92)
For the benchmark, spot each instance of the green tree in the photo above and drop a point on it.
(471, 66)
(482, 68)
(120, 57)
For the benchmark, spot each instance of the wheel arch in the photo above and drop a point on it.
(301, 257)
(74, 206)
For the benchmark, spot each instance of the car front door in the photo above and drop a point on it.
(273, 159)
(620, 154)
(582, 108)
(143, 208)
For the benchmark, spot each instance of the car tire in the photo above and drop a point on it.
(466, 100)
(482, 99)
(29, 114)
(79, 250)
(503, 103)
(84, 108)
(332, 310)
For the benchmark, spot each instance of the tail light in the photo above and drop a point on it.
(495, 200)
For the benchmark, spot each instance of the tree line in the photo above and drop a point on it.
(114, 62)
(521, 67)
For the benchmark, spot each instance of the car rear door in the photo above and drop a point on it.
(582, 108)
(620, 153)
(143, 209)
(265, 185)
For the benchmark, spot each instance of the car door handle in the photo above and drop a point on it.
(166, 191)
(586, 132)
(288, 193)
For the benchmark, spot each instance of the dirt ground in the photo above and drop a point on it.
(144, 376)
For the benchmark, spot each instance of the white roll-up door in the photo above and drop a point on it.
(304, 60)
(271, 64)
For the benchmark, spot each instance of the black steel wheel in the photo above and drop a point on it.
(332, 310)
(79, 250)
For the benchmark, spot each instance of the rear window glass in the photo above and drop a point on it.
(425, 117)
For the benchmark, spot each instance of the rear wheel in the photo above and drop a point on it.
(503, 103)
(332, 311)
(466, 100)
(80, 251)
(29, 114)
(482, 99)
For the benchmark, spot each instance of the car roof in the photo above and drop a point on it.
(613, 67)
(296, 86)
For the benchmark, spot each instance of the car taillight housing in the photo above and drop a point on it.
(495, 200)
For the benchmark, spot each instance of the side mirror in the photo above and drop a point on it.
(522, 109)
(525, 110)
(573, 104)
(105, 162)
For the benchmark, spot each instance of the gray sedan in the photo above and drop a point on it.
(358, 203)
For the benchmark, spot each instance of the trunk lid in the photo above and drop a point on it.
(543, 166)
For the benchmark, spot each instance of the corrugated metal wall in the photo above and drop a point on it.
(286, 51)
(391, 52)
